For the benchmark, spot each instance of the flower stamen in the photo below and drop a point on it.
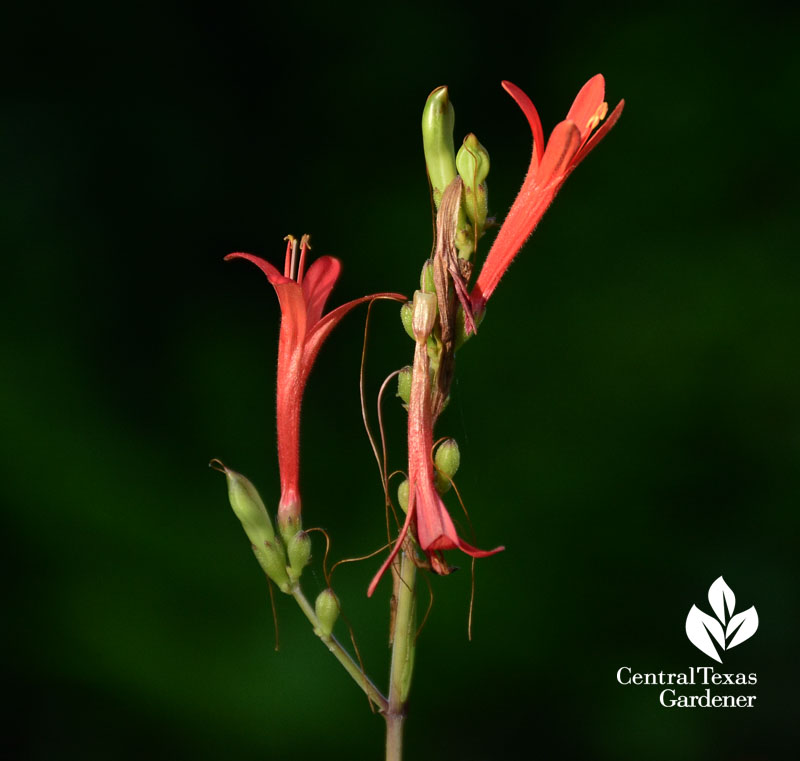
(293, 266)
(291, 246)
(305, 245)
(599, 115)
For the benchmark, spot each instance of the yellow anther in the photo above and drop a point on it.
(598, 116)
(305, 245)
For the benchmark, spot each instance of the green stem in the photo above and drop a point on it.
(341, 655)
(403, 645)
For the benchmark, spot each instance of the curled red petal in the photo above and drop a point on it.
(273, 274)
(322, 329)
(532, 115)
(586, 104)
(393, 554)
(292, 303)
(435, 528)
(475, 552)
(318, 283)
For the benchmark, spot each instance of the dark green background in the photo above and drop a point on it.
(629, 415)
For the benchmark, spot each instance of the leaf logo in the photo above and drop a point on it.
(726, 630)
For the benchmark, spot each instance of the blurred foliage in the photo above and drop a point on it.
(629, 416)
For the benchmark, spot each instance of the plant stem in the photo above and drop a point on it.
(341, 655)
(403, 645)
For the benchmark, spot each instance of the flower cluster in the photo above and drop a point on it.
(459, 191)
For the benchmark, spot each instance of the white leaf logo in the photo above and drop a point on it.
(742, 626)
(721, 595)
(726, 630)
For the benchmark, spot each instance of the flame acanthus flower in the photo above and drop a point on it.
(435, 531)
(302, 296)
(569, 144)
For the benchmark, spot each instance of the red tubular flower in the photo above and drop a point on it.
(302, 296)
(426, 511)
(570, 143)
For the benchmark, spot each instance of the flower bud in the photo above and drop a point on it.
(473, 166)
(299, 551)
(248, 506)
(249, 509)
(407, 317)
(424, 314)
(404, 383)
(472, 161)
(448, 457)
(438, 121)
(402, 495)
(272, 560)
(465, 240)
(327, 610)
(426, 281)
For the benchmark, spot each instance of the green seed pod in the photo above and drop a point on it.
(447, 458)
(402, 495)
(404, 383)
(438, 121)
(299, 551)
(327, 609)
(473, 166)
(407, 318)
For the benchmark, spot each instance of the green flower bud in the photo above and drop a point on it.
(327, 609)
(465, 241)
(407, 317)
(438, 120)
(249, 509)
(473, 166)
(272, 560)
(434, 346)
(248, 506)
(404, 383)
(299, 551)
(426, 281)
(447, 458)
(402, 495)
(472, 161)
